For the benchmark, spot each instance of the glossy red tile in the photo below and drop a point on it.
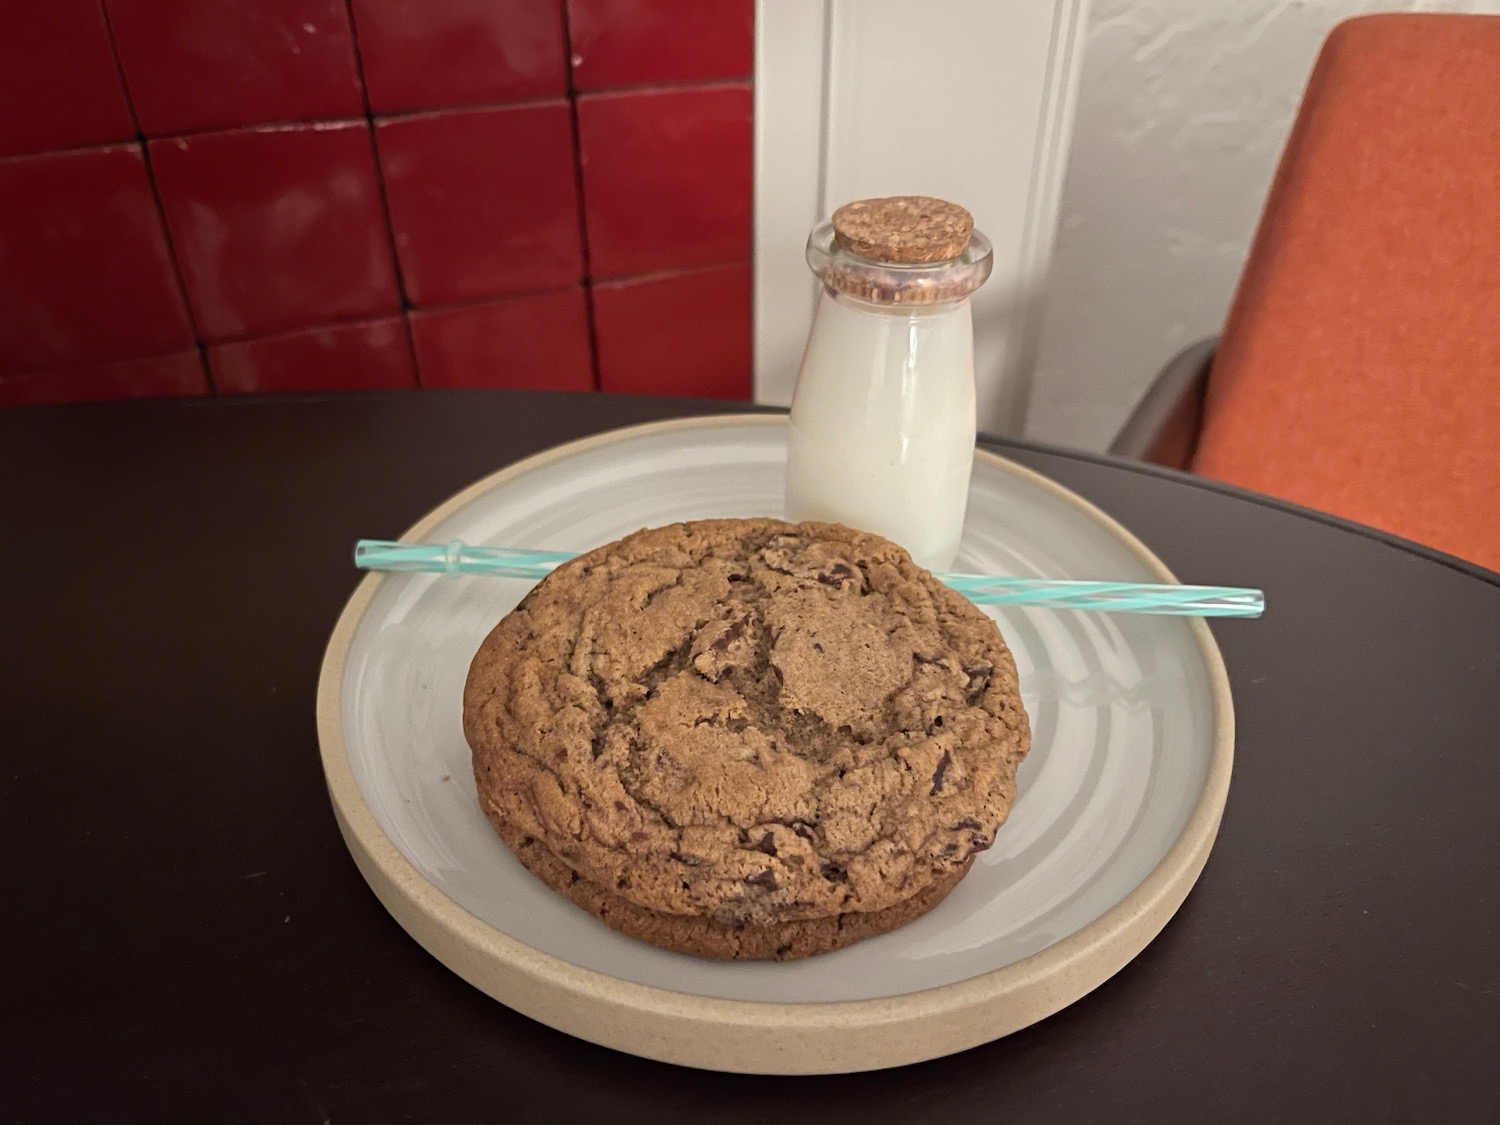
(682, 334)
(159, 376)
(59, 85)
(85, 273)
(666, 178)
(539, 342)
(483, 202)
(341, 357)
(434, 54)
(642, 42)
(277, 228)
(216, 64)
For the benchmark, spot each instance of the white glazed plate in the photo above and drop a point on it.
(1118, 805)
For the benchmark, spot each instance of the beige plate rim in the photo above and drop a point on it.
(742, 1035)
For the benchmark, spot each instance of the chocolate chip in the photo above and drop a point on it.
(639, 836)
(979, 680)
(620, 806)
(735, 631)
(834, 873)
(968, 822)
(836, 576)
(767, 844)
(937, 774)
(766, 879)
(690, 860)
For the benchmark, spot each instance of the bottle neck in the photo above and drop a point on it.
(897, 312)
(905, 285)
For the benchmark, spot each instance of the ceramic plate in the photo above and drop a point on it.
(1118, 805)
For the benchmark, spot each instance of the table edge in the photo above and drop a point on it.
(715, 406)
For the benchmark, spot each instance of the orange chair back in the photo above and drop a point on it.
(1359, 370)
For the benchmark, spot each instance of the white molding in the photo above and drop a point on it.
(967, 99)
(790, 53)
(1054, 143)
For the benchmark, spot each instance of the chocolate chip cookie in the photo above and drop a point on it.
(720, 734)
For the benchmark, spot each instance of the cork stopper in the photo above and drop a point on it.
(905, 250)
(903, 229)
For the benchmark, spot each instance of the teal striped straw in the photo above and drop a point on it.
(1043, 593)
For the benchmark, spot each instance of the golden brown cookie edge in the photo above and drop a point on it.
(703, 937)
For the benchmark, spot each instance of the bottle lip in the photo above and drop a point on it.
(896, 283)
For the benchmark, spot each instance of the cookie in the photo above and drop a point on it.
(691, 933)
(749, 723)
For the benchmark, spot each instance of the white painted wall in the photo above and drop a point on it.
(1182, 110)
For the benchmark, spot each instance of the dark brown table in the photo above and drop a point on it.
(184, 937)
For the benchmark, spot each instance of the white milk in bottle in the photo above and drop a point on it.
(882, 427)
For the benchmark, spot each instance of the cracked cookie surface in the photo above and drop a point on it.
(750, 722)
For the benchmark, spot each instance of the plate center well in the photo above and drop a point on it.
(1121, 709)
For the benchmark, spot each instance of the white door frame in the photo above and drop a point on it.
(971, 100)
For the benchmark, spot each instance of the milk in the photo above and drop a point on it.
(882, 427)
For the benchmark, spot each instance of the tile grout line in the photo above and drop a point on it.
(144, 145)
(686, 84)
(666, 272)
(292, 123)
(360, 319)
(402, 295)
(357, 321)
(576, 137)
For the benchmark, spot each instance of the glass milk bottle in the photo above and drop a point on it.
(882, 428)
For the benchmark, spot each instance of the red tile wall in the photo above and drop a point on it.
(213, 196)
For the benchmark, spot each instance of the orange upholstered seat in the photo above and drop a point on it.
(1359, 370)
